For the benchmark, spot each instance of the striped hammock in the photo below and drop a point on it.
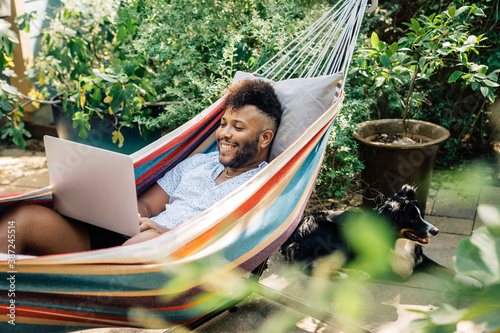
(181, 275)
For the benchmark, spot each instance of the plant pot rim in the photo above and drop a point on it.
(440, 134)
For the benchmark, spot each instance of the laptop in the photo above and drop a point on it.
(93, 185)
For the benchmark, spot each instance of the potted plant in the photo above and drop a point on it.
(106, 91)
(433, 43)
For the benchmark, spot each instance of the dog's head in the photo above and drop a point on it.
(407, 216)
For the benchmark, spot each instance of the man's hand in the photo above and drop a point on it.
(147, 224)
(148, 229)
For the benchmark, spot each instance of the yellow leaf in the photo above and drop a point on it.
(82, 101)
(17, 119)
(35, 94)
(117, 136)
(141, 98)
(108, 99)
(121, 105)
(110, 110)
(82, 98)
(42, 79)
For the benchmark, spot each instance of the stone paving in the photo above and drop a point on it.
(22, 171)
(452, 207)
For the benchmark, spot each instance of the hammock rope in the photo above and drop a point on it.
(326, 47)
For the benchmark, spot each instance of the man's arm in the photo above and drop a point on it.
(153, 201)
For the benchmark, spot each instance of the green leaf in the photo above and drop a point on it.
(421, 62)
(490, 83)
(486, 309)
(471, 40)
(477, 11)
(485, 91)
(380, 46)
(106, 77)
(374, 40)
(361, 62)
(415, 25)
(394, 47)
(461, 10)
(380, 81)
(493, 77)
(464, 59)
(451, 11)
(385, 61)
(491, 96)
(478, 256)
(5, 106)
(455, 76)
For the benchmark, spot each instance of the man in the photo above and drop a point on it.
(244, 138)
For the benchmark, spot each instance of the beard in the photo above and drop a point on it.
(246, 153)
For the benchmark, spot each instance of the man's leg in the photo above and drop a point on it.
(40, 230)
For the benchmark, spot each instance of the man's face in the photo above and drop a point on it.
(238, 137)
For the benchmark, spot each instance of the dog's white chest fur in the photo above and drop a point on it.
(403, 258)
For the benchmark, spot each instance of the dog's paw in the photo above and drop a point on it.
(468, 282)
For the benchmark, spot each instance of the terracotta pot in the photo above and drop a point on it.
(389, 166)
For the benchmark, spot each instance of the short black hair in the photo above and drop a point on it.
(259, 93)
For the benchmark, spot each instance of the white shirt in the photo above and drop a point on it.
(192, 189)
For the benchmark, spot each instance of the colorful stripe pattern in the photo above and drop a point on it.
(180, 275)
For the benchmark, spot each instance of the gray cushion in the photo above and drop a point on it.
(303, 101)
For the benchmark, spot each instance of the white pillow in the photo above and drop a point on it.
(303, 101)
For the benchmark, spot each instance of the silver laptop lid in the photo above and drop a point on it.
(93, 185)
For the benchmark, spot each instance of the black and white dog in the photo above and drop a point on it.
(320, 234)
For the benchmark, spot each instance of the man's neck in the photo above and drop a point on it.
(233, 172)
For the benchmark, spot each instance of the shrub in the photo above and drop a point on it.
(132, 53)
(455, 106)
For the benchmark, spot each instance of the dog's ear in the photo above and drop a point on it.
(408, 191)
(390, 207)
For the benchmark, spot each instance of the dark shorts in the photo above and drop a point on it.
(103, 238)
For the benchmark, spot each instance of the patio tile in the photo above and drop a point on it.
(37, 179)
(451, 225)
(429, 207)
(20, 153)
(442, 248)
(456, 203)
(12, 168)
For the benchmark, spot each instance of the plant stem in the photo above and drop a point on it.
(407, 103)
